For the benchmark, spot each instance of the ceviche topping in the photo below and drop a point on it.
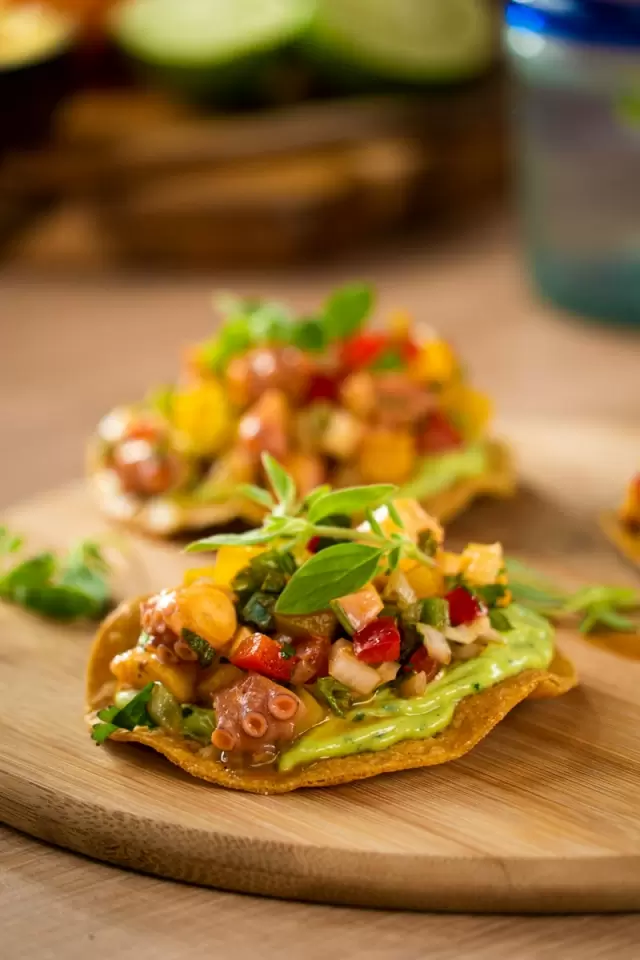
(338, 597)
(332, 400)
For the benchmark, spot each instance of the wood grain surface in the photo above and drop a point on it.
(542, 816)
(63, 336)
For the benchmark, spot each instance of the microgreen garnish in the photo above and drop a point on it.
(251, 323)
(69, 588)
(133, 715)
(341, 568)
(595, 607)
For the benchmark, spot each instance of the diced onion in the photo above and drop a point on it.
(435, 642)
(388, 671)
(347, 669)
(466, 651)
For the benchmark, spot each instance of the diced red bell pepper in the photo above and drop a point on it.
(421, 662)
(438, 435)
(378, 642)
(313, 544)
(313, 659)
(264, 655)
(322, 387)
(464, 607)
(363, 349)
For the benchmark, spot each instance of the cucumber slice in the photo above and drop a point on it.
(205, 33)
(404, 41)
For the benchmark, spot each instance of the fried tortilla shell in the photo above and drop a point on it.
(621, 537)
(474, 718)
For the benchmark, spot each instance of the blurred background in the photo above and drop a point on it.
(477, 160)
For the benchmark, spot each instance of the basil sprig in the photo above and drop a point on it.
(337, 570)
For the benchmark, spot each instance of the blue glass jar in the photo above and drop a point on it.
(577, 72)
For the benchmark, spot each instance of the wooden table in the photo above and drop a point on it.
(70, 349)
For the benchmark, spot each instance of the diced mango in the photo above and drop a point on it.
(201, 414)
(387, 456)
(215, 679)
(470, 409)
(230, 561)
(482, 563)
(449, 563)
(137, 667)
(435, 363)
(426, 581)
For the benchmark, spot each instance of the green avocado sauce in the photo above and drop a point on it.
(388, 719)
(436, 474)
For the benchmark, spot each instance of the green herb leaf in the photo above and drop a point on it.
(288, 650)
(333, 573)
(499, 621)
(491, 593)
(311, 498)
(247, 539)
(9, 542)
(389, 360)
(373, 523)
(395, 516)
(281, 481)
(256, 494)
(309, 334)
(350, 500)
(134, 714)
(205, 652)
(338, 696)
(85, 571)
(258, 611)
(346, 310)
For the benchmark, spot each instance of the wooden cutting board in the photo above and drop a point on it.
(543, 816)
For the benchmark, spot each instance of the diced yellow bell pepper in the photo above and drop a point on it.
(358, 394)
(435, 363)
(470, 409)
(230, 561)
(136, 668)
(482, 563)
(201, 414)
(426, 581)
(449, 563)
(387, 456)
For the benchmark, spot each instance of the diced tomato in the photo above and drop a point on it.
(313, 544)
(464, 607)
(410, 350)
(438, 435)
(421, 662)
(378, 642)
(313, 659)
(363, 349)
(322, 387)
(264, 655)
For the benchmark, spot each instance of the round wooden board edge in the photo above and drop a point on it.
(324, 875)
